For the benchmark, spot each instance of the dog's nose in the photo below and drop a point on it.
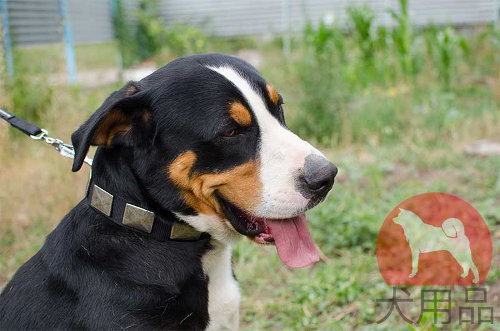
(319, 174)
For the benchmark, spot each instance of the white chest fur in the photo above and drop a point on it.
(223, 291)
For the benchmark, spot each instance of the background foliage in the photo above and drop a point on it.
(392, 107)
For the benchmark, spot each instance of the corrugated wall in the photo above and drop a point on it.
(461, 12)
(90, 20)
(39, 21)
(241, 17)
(34, 21)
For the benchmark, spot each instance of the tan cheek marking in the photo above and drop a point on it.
(240, 114)
(179, 169)
(179, 172)
(273, 95)
(240, 185)
(116, 122)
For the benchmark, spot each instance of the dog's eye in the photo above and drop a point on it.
(231, 133)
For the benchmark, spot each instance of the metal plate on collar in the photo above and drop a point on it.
(184, 231)
(101, 200)
(138, 218)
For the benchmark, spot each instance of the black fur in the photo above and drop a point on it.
(93, 274)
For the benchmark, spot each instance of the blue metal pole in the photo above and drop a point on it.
(68, 42)
(114, 8)
(7, 45)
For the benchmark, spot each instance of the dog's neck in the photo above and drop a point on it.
(116, 191)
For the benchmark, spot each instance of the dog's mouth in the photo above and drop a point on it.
(291, 236)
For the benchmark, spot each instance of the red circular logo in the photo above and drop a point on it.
(434, 239)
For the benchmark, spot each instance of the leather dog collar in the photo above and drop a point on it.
(138, 218)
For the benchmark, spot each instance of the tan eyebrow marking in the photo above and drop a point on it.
(240, 114)
(273, 95)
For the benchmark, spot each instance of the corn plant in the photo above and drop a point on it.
(325, 41)
(322, 82)
(447, 46)
(362, 22)
(382, 35)
(402, 37)
(430, 35)
(495, 42)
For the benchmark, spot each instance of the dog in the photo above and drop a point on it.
(190, 159)
(425, 238)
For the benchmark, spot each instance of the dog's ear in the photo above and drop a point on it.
(123, 119)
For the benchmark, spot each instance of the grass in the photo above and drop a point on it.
(392, 133)
(340, 294)
(51, 58)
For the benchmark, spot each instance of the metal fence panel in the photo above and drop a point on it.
(34, 21)
(262, 17)
(456, 12)
(38, 21)
(90, 20)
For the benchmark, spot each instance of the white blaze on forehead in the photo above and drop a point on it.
(281, 154)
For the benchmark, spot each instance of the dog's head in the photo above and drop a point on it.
(406, 218)
(209, 142)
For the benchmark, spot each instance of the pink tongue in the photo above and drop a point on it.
(293, 241)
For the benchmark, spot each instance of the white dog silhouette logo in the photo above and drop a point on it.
(426, 238)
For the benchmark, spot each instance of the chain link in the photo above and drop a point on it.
(65, 150)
